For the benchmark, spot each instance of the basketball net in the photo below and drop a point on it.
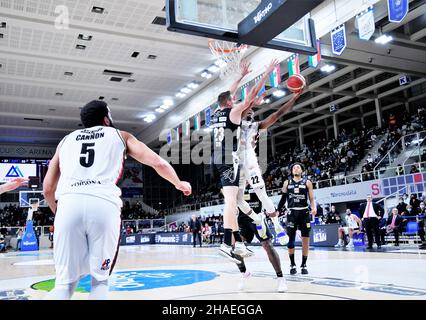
(228, 55)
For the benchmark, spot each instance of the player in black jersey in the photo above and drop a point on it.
(226, 122)
(296, 193)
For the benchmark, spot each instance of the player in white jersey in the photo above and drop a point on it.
(251, 172)
(80, 188)
(353, 225)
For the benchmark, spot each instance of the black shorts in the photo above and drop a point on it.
(229, 175)
(248, 229)
(299, 219)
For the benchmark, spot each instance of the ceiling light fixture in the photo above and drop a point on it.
(383, 39)
(193, 85)
(213, 68)
(168, 102)
(328, 68)
(279, 94)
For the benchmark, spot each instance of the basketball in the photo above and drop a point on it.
(296, 83)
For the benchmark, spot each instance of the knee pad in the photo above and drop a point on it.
(267, 203)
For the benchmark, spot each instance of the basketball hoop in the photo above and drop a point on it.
(228, 55)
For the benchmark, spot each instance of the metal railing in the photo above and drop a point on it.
(145, 225)
(395, 151)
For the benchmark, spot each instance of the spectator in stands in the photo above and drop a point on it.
(394, 225)
(406, 199)
(195, 227)
(51, 231)
(402, 206)
(421, 224)
(353, 225)
(19, 235)
(414, 169)
(414, 202)
(206, 232)
(399, 170)
(371, 214)
(2, 243)
(333, 216)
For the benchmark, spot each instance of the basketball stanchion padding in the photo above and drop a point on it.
(296, 83)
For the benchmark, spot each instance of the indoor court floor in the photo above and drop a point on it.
(167, 272)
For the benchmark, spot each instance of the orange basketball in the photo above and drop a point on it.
(296, 83)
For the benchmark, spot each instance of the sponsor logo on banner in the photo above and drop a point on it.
(338, 40)
(397, 10)
(262, 13)
(320, 235)
(145, 240)
(140, 280)
(131, 239)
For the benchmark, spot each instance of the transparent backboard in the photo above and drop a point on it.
(220, 18)
(27, 197)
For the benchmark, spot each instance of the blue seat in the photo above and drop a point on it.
(412, 227)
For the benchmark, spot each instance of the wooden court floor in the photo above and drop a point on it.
(167, 272)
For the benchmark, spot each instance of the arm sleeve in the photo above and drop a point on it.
(282, 202)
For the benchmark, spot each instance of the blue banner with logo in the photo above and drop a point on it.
(338, 40)
(29, 240)
(397, 10)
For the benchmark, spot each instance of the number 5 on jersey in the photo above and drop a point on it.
(88, 155)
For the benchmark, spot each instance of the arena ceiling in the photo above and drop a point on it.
(47, 74)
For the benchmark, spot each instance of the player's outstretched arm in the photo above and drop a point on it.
(269, 121)
(13, 184)
(51, 181)
(259, 85)
(244, 70)
(237, 110)
(145, 155)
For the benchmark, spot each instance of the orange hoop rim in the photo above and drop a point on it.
(221, 50)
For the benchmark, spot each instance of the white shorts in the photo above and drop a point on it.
(251, 172)
(87, 231)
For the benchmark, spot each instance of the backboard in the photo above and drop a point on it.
(275, 24)
(26, 197)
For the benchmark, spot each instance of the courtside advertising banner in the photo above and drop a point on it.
(9, 171)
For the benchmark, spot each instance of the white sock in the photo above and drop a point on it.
(99, 290)
(61, 292)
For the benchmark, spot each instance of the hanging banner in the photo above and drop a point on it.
(338, 40)
(262, 89)
(313, 61)
(169, 137)
(187, 128)
(397, 10)
(366, 25)
(293, 65)
(197, 121)
(207, 115)
(177, 133)
(275, 77)
(244, 92)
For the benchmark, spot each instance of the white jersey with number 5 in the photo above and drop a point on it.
(91, 163)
